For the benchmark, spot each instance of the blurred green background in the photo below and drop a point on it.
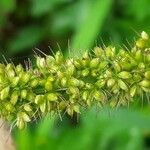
(76, 25)
(81, 24)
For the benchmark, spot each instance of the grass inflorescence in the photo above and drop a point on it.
(105, 76)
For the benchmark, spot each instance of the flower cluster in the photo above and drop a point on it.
(105, 76)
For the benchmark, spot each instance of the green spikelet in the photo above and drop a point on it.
(103, 77)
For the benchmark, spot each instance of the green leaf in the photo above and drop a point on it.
(26, 38)
(40, 7)
(7, 6)
(138, 9)
(90, 28)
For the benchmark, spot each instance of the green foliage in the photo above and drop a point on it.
(140, 12)
(38, 8)
(88, 31)
(7, 6)
(107, 129)
(82, 22)
(26, 38)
